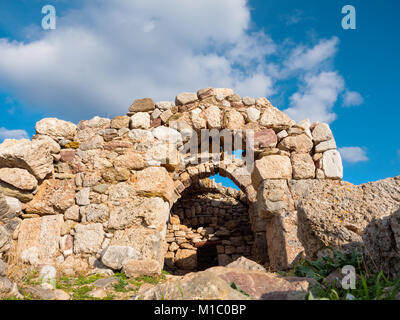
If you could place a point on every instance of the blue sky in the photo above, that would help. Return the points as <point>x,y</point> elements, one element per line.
<point>104,54</point>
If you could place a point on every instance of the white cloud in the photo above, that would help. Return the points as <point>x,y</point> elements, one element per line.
<point>303,58</point>
<point>294,17</point>
<point>353,154</point>
<point>317,97</point>
<point>352,98</point>
<point>106,54</point>
<point>12,134</point>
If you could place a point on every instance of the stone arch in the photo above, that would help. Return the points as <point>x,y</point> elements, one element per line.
<point>101,191</point>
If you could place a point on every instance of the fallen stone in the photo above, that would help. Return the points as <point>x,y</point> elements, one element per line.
<point>114,257</point>
<point>134,268</point>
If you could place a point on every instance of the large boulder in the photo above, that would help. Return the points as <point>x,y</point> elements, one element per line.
<point>363,218</point>
<point>34,156</point>
<point>56,128</point>
<point>222,283</point>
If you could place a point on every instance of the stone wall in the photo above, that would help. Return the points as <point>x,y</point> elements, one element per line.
<point>98,194</point>
<point>209,226</point>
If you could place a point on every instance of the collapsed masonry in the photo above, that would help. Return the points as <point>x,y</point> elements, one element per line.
<point>99,194</point>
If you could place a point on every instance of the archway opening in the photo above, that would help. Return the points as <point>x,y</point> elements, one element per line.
<point>209,226</point>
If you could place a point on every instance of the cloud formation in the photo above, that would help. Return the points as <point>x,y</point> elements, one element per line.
<point>352,98</point>
<point>106,54</point>
<point>12,134</point>
<point>317,97</point>
<point>353,154</point>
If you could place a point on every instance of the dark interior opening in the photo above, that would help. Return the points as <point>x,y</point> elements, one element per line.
<point>208,227</point>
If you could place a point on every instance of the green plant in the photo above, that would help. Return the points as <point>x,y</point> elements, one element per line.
<point>368,286</point>
<point>236,287</point>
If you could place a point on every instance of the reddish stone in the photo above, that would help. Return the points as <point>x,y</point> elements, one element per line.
<point>67,155</point>
<point>237,104</point>
<point>117,144</point>
<point>265,138</point>
<point>155,123</point>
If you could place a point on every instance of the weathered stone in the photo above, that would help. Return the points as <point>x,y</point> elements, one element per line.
<point>142,105</point>
<point>115,256</point>
<point>54,196</point>
<point>39,238</point>
<point>88,238</point>
<point>67,155</point>
<point>186,98</point>
<point>120,122</point>
<point>166,134</point>
<point>325,145</point>
<point>33,156</point>
<point>18,178</point>
<point>130,160</point>
<point>112,175</point>
<point>140,120</point>
<point>134,268</point>
<point>303,166</point>
<point>186,259</point>
<point>198,119</point>
<point>146,241</point>
<point>274,118</point>
<point>203,285</point>
<point>56,128</point>
<point>150,212</point>
<point>332,164</point>
<point>166,115</point>
<point>3,268</point>
<point>165,105</point>
<point>265,139</point>
<point>213,116</point>
<point>299,144</point>
<point>95,213</point>
<point>271,167</point>
<point>253,114</point>
<point>233,120</point>
<point>322,132</point>
<point>82,197</point>
<point>274,198</point>
<point>248,101</point>
<point>154,182</point>
<point>4,237</point>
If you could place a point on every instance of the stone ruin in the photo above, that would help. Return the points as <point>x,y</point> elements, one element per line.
<point>108,194</point>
